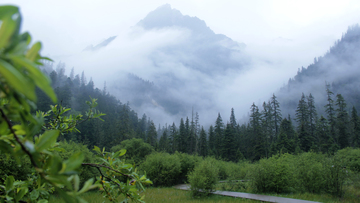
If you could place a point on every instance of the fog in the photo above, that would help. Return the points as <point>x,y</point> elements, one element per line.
<point>279,38</point>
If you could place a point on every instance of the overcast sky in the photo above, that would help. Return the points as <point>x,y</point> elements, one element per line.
<point>288,33</point>
<point>67,26</point>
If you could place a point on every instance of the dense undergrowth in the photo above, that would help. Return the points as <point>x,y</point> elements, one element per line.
<point>336,175</point>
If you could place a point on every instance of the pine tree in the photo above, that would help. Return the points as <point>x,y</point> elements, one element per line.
<point>212,141</point>
<point>203,149</point>
<point>302,117</point>
<point>355,128</point>
<point>152,135</point>
<point>219,135</point>
<point>342,122</point>
<point>312,115</point>
<point>277,117</point>
<point>326,142</point>
<point>228,145</point>
<point>258,139</point>
<point>182,137</point>
<point>173,139</point>
<point>330,112</point>
<point>267,124</point>
<point>164,142</point>
<point>232,118</point>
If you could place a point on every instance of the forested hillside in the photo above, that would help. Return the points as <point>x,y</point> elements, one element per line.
<point>121,122</point>
<point>339,68</point>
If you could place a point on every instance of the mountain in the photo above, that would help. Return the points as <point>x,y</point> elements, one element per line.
<point>183,69</point>
<point>339,67</point>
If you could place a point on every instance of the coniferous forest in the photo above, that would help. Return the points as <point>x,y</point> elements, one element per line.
<point>266,133</point>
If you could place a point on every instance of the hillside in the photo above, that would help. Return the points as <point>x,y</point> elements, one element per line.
<point>338,67</point>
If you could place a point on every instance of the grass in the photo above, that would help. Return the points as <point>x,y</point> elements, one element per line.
<point>158,195</point>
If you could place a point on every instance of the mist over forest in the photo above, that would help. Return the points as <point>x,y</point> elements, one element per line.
<point>168,65</point>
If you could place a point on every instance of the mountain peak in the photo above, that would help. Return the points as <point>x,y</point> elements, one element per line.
<point>165,16</point>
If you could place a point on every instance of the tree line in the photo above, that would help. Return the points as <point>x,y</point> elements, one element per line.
<point>266,133</point>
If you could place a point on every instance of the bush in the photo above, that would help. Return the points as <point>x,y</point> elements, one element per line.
<point>273,175</point>
<point>336,175</point>
<point>187,163</point>
<point>162,168</point>
<point>204,178</point>
<point>350,158</point>
<point>136,150</point>
<point>71,148</point>
<point>10,167</point>
<point>310,172</point>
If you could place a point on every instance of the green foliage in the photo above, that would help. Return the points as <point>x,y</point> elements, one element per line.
<point>204,178</point>
<point>136,150</point>
<point>310,172</point>
<point>350,158</point>
<point>162,168</point>
<point>70,148</point>
<point>273,174</point>
<point>20,168</point>
<point>188,163</point>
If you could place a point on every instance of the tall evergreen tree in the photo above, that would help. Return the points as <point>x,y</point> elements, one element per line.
<point>203,149</point>
<point>182,137</point>
<point>228,145</point>
<point>312,116</point>
<point>164,142</point>
<point>219,135</point>
<point>258,138</point>
<point>302,117</point>
<point>152,135</point>
<point>173,138</point>
<point>232,118</point>
<point>212,141</point>
<point>330,110</point>
<point>342,122</point>
<point>326,142</point>
<point>277,117</point>
<point>355,128</point>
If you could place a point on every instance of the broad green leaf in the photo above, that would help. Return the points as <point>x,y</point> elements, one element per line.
<point>46,140</point>
<point>21,193</point>
<point>42,201</point>
<point>122,152</point>
<point>8,11</point>
<point>9,183</point>
<point>97,149</point>
<point>39,78</point>
<point>88,186</point>
<point>17,80</point>
<point>76,183</point>
<point>33,51</point>
<point>71,165</point>
<point>34,195</point>
<point>7,29</point>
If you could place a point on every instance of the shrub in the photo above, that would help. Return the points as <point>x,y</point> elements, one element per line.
<point>187,163</point>
<point>350,158</point>
<point>136,150</point>
<point>163,168</point>
<point>204,178</point>
<point>310,172</point>
<point>336,175</point>
<point>71,148</point>
<point>273,175</point>
<point>10,167</point>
